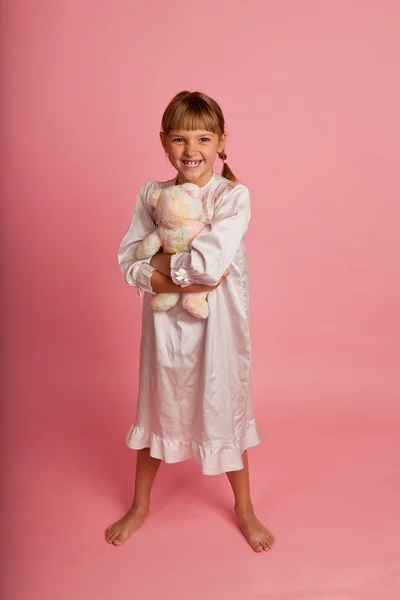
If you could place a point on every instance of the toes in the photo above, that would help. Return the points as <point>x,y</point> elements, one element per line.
<point>264,544</point>
<point>118,541</point>
<point>111,536</point>
<point>269,542</point>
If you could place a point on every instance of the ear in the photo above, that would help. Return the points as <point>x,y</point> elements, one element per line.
<point>155,198</point>
<point>190,188</point>
<point>163,139</point>
<point>221,144</point>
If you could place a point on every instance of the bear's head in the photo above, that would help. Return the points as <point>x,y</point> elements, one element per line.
<point>177,204</point>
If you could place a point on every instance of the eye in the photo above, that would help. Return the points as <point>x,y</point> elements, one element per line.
<point>204,139</point>
<point>178,140</point>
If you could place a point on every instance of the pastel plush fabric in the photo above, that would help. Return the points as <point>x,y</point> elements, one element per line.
<point>178,213</point>
<point>195,389</point>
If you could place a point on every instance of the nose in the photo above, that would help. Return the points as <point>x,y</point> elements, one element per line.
<point>190,149</point>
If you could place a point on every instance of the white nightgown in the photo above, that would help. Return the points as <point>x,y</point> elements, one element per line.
<point>194,387</point>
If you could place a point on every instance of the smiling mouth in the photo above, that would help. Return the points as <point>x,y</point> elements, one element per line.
<point>191,163</point>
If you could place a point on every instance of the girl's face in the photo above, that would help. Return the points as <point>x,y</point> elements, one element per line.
<point>193,153</point>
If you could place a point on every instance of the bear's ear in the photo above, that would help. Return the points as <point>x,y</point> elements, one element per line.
<point>155,198</point>
<point>191,188</point>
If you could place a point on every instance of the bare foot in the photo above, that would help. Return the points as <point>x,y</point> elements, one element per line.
<point>120,531</point>
<point>256,534</point>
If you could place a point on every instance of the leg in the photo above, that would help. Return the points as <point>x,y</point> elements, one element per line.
<point>256,534</point>
<point>163,302</point>
<point>196,304</point>
<point>146,470</point>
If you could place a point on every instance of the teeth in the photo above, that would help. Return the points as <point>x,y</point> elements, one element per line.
<point>191,163</point>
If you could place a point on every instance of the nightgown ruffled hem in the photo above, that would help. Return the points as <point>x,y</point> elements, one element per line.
<point>213,460</point>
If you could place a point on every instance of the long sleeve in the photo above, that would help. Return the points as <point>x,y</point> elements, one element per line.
<point>137,272</point>
<point>213,250</point>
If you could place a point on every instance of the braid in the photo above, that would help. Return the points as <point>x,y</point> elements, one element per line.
<point>226,171</point>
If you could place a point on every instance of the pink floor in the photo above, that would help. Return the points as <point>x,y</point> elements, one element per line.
<point>327,486</point>
<point>311,97</point>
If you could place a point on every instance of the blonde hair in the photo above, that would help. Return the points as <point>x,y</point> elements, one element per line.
<point>194,110</point>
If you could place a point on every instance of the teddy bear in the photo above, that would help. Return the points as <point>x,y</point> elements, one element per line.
<point>178,214</point>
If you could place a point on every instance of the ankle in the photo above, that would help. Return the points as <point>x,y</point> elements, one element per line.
<point>244,508</point>
<point>141,504</point>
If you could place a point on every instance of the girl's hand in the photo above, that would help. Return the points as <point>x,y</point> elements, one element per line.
<point>162,263</point>
<point>162,284</point>
<point>227,272</point>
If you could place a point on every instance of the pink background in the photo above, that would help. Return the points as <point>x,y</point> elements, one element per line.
<point>311,96</point>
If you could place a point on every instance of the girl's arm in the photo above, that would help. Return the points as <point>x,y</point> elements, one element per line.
<point>138,272</point>
<point>162,284</point>
<point>141,273</point>
<point>212,250</point>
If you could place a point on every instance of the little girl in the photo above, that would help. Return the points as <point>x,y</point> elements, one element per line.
<point>194,391</point>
